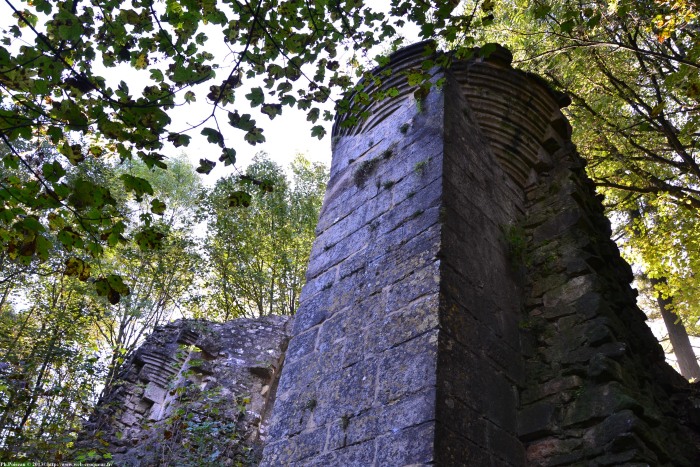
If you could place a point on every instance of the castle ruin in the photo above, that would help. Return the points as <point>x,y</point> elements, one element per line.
<point>464,303</point>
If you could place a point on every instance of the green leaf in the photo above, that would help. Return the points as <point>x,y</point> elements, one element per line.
<point>382,60</point>
<point>288,100</point>
<point>117,283</point>
<point>487,49</point>
<point>567,26</point>
<point>26,15</point>
<point>140,186</point>
<point>313,115</point>
<point>43,248</point>
<point>213,136</point>
<point>541,10</point>
<point>255,136</point>
<point>594,20</point>
<point>111,287</point>
<point>239,199</point>
<point>318,131</point>
<point>86,194</point>
<point>157,75</point>
<point>268,186</point>
<point>31,224</point>
<point>415,79</point>
<point>76,267</point>
<point>284,87</point>
<point>272,110</point>
<point>228,156</point>
<point>53,171</point>
<point>158,207</point>
<point>55,133</point>
<point>69,239</point>
<point>72,152</point>
<point>149,239</point>
<point>242,122</point>
<point>205,166</point>
<point>256,97</point>
<point>179,139</point>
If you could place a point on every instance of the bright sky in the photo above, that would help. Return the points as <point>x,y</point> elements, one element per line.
<point>286,136</point>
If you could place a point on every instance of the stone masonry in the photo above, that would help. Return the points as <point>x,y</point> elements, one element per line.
<point>195,393</point>
<point>465,304</point>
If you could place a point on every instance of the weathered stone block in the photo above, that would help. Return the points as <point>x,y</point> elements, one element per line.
<point>403,447</point>
<point>599,401</point>
<point>408,368</point>
<point>357,454</point>
<point>301,345</point>
<point>154,393</point>
<point>536,420</point>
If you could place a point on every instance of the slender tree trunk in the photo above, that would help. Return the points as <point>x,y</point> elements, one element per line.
<point>687,361</point>
<point>682,348</point>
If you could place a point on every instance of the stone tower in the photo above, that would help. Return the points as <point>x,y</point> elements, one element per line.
<point>465,304</point>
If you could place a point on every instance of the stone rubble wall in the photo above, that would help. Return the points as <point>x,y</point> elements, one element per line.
<point>598,389</point>
<point>194,392</point>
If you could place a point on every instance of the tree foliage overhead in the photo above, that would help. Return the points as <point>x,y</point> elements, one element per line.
<point>63,334</point>
<point>61,64</point>
<point>636,91</point>
<point>633,72</point>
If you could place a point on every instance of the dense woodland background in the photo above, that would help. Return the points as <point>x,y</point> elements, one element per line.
<point>105,232</point>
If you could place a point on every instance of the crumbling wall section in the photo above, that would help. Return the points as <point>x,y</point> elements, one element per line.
<point>195,392</point>
<point>599,391</point>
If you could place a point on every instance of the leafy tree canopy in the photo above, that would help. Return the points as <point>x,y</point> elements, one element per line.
<point>258,244</point>
<point>61,105</point>
<point>633,72</point>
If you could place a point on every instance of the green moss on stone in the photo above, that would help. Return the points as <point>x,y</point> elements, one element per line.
<point>364,171</point>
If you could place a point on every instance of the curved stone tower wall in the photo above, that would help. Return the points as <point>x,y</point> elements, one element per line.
<point>465,304</point>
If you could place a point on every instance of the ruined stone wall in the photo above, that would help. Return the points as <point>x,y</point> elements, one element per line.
<point>359,382</point>
<point>465,304</point>
<point>406,341</point>
<point>597,390</point>
<point>195,393</point>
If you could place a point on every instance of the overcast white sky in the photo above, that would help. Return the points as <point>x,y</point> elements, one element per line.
<point>286,136</point>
